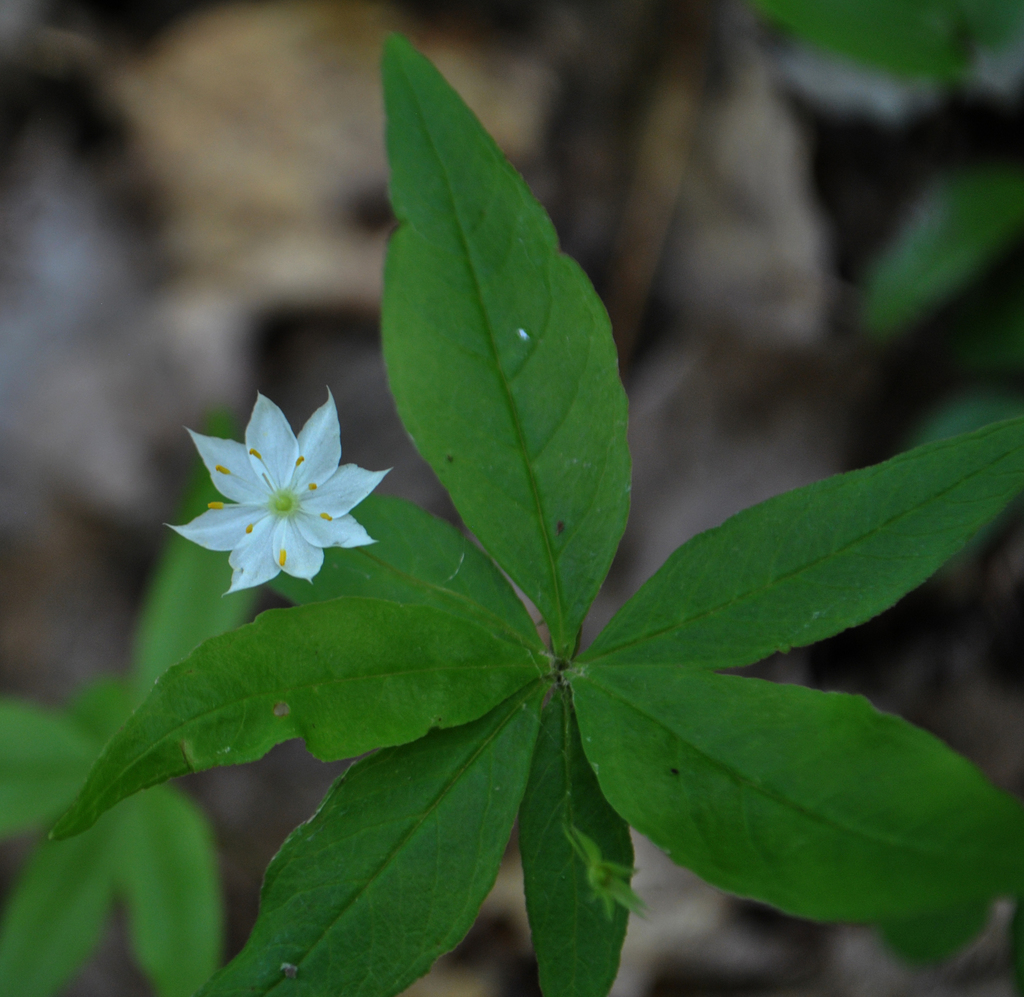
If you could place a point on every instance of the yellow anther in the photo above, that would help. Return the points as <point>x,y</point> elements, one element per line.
<point>312,487</point>
<point>281,559</point>
<point>255,453</point>
<point>214,505</point>
<point>248,529</point>
<point>299,461</point>
<point>222,469</point>
<point>323,515</point>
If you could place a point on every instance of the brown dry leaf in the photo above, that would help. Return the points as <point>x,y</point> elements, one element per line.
<point>750,245</point>
<point>261,126</point>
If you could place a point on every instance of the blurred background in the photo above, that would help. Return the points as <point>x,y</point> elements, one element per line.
<point>807,223</point>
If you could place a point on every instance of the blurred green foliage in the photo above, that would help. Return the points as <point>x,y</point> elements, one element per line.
<point>924,39</point>
<point>954,245</point>
<point>953,235</point>
<point>156,853</point>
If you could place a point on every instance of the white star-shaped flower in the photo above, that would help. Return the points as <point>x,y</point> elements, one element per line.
<point>292,499</point>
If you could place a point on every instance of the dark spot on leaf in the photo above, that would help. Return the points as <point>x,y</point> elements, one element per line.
<point>674,771</point>
<point>289,970</point>
<point>281,709</point>
<point>449,458</point>
<point>559,526</point>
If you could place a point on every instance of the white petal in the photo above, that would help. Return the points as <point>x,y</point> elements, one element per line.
<point>253,558</point>
<point>319,445</point>
<point>221,529</point>
<point>239,483</point>
<point>269,434</point>
<point>342,531</point>
<point>344,490</point>
<point>301,558</point>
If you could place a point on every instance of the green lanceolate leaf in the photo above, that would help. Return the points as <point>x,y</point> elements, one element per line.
<point>56,913</point>
<point>958,228</point>
<point>812,562</point>
<point>962,413</point>
<point>994,23</point>
<point>576,940</point>
<point>167,868</point>
<point>931,937</point>
<point>346,676</point>
<point>392,869</point>
<point>499,352</point>
<point>814,802</point>
<point>418,559</point>
<point>185,602</point>
<point>43,759</point>
<point>915,38</point>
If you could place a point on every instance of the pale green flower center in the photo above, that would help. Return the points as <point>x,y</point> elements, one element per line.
<point>284,502</point>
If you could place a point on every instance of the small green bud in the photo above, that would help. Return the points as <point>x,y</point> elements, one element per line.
<point>608,880</point>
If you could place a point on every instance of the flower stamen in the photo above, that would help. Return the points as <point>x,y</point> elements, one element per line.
<point>323,515</point>
<point>299,461</point>
<point>256,453</point>
<point>221,468</point>
<point>248,529</point>
<point>214,505</point>
<point>312,487</point>
<point>281,559</point>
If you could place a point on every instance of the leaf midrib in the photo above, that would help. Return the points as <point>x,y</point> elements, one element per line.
<point>471,603</point>
<point>171,734</point>
<point>522,697</point>
<point>570,810</point>
<point>771,794</point>
<point>784,578</point>
<point>509,401</point>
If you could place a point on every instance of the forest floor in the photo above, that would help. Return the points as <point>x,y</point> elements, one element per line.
<point>193,207</point>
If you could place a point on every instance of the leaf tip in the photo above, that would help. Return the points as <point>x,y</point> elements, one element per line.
<point>68,825</point>
<point>396,48</point>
